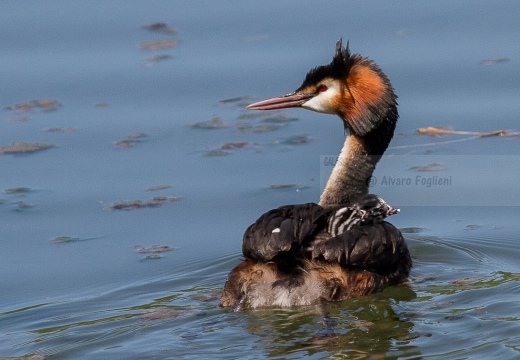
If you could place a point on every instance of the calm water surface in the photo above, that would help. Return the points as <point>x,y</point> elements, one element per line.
<point>74,284</point>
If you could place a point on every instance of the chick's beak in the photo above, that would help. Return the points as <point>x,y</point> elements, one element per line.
<point>281,102</point>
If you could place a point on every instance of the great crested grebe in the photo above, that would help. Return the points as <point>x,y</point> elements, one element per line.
<point>341,247</point>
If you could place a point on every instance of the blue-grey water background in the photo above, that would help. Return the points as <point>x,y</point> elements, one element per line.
<point>73,283</point>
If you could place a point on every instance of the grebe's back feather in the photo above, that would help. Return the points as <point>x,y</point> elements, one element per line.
<point>296,227</point>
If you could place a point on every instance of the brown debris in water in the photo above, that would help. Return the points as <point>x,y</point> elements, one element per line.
<point>44,105</point>
<point>65,239</point>
<point>283,186</point>
<point>153,249</point>
<point>494,133</point>
<point>157,58</point>
<point>17,190</point>
<point>445,131</point>
<point>223,149</point>
<point>60,130</point>
<point>152,257</point>
<point>429,167</point>
<point>234,145</point>
<point>498,60</point>
<point>159,44</point>
<point>158,187</point>
<point>435,131</point>
<point>216,153</point>
<point>235,100</point>
<point>298,140</point>
<point>139,204</point>
<point>164,198</point>
<point>126,143</point>
<point>159,27</point>
<point>280,119</point>
<point>24,148</point>
<point>133,204</point>
<point>258,128</point>
<point>216,122</point>
<point>238,102</point>
<point>130,141</point>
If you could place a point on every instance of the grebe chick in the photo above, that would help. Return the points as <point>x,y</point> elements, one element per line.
<point>340,247</point>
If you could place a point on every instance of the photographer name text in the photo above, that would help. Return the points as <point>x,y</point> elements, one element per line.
<point>418,180</point>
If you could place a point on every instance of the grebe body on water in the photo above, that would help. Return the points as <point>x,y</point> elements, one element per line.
<point>341,247</point>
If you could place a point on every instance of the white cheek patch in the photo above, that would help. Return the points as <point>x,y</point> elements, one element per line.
<point>323,102</point>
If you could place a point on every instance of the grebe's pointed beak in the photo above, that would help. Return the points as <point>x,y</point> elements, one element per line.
<point>282,102</point>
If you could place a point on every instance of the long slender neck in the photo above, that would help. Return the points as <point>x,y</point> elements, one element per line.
<point>350,178</point>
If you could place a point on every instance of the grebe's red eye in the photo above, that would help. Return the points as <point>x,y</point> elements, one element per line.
<point>322,88</point>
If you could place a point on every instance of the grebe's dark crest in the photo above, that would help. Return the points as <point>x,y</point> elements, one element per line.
<point>361,93</point>
<point>340,247</point>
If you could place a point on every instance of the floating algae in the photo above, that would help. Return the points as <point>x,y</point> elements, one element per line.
<point>298,140</point>
<point>24,148</point>
<point>234,145</point>
<point>156,59</point>
<point>159,27</point>
<point>153,249</point>
<point>130,141</point>
<point>429,167</point>
<point>159,44</point>
<point>44,105</point>
<point>17,190</point>
<point>159,187</point>
<point>215,123</point>
<point>139,204</point>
